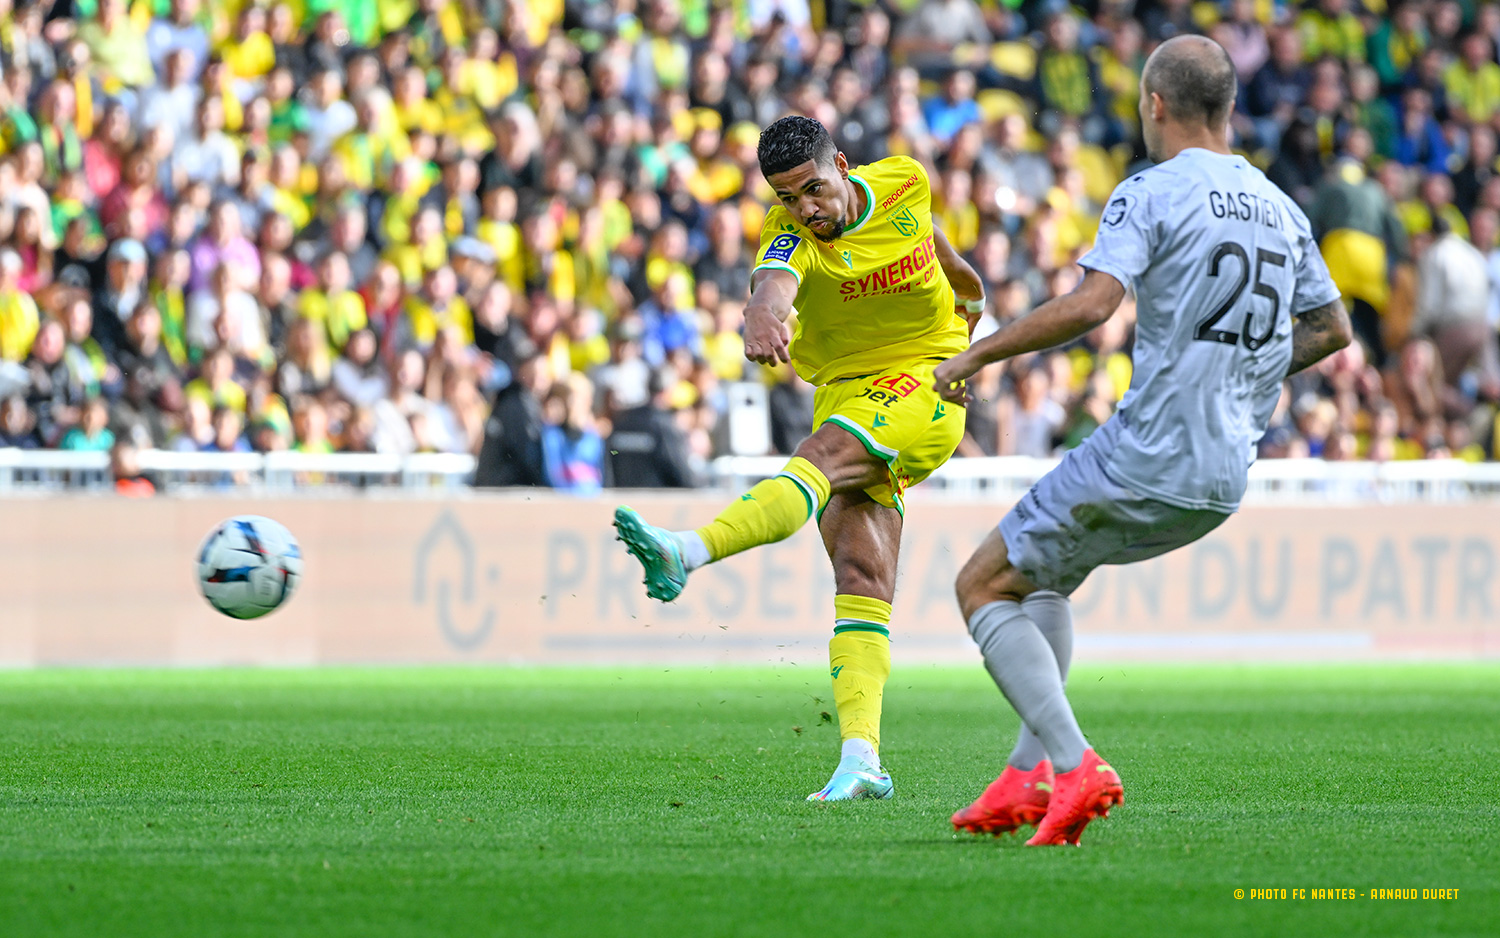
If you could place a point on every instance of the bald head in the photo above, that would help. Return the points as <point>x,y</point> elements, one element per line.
<point>1195,79</point>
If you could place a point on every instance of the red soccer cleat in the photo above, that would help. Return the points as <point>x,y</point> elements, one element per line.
<point>1013,799</point>
<point>1078,797</point>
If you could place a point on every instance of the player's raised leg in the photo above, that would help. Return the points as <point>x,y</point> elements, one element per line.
<point>1019,796</point>
<point>863,539</point>
<point>831,460</point>
<point>1023,664</point>
<point>771,511</point>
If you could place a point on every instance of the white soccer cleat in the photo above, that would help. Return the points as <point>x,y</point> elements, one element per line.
<point>853,780</point>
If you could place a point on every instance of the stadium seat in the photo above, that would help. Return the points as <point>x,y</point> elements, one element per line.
<point>1016,59</point>
<point>1100,173</point>
<point>995,103</point>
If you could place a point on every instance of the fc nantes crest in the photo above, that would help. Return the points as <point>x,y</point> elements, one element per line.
<point>905,221</point>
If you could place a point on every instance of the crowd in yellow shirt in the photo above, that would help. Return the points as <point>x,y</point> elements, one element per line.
<point>427,208</point>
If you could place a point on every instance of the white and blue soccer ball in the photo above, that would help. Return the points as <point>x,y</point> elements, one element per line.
<point>249,566</point>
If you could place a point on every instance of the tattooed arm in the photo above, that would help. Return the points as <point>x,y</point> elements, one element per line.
<point>1318,333</point>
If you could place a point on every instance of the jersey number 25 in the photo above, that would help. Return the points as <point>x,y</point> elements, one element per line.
<point>1206,331</point>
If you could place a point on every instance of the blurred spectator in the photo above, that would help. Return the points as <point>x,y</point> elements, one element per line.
<point>1360,234</point>
<point>53,396</point>
<point>310,426</point>
<point>1484,234</point>
<point>19,319</point>
<point>511,453</point>
<point>224,301</point>
<point>174,100</point>
<point>571,446</point>
<point>89,367</point>
<point>118,46</point>
<point>178,32</point>
<point>139,415</point>
<point>646,447</point>
<point>1453,308</point>
<point>125,469</point>
<point>1299,167</point>
<point>431,229</point>
<point>121,292</point>
<point>790,401</point>
<point>197,434</point>
<point>228,431</point>
<point>17,424</point>
<point>1065,79</point>
<point>92,433</point>
<point>215,384</point>
<point>1473,81</point>
<point>1244,38</point>
<point>1397,43</point>
<point>1169,18</point>
<point>1419,138</point>
<point>927,37</point>
<point>954,108</point>
<point>1278,89</point>
<point>1030,423</point>
<point>333,305</point>
<point>1331,29</point>
<point>358,375</point>
<point>223,243</point>
<point>671,321</point>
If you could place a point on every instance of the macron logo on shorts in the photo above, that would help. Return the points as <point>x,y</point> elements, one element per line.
<point>781,249</point>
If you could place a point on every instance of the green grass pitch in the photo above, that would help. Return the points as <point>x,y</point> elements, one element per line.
<point>669,802</point>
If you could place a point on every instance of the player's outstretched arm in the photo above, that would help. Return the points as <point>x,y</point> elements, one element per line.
<point>1318,333</point>
<point>1056,321</point>
<point>967,286</point>
<point>771,296</point>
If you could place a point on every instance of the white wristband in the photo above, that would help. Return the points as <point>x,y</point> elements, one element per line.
<point>974,306</point>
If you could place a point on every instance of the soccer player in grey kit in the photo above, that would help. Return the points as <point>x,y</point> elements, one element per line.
<point>1232,296</point>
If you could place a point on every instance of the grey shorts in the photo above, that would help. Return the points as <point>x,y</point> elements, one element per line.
<point>1077,518</point>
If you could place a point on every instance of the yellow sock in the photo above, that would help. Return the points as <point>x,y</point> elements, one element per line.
<point>771,511</point>
<point>860,657</point>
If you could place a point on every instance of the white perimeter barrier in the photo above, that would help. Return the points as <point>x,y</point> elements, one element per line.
<point>1274,481</point>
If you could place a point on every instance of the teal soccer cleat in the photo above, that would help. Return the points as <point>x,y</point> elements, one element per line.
<point>658,552</point>
<point>855,779</point>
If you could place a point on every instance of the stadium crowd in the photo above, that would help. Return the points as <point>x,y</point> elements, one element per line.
<point>525,229</point>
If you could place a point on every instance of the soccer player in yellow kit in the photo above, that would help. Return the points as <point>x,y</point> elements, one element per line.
<point>876,289</point>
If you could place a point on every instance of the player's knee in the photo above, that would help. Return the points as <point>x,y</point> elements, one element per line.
<point>982,582</point>
<point>970,582</point>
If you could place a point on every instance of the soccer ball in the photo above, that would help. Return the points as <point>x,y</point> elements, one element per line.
<point>248,566</point>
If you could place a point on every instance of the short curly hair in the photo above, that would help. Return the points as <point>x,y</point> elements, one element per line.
<point>792,141</point>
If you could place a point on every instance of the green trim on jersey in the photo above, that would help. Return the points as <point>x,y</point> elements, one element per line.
<point>884,453</point>
<point>777,265</point>
<point>869,206</point>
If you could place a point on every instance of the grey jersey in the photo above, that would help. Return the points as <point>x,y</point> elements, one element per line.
<point>1220,261</point>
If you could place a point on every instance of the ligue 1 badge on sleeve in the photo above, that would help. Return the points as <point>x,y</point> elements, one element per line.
<point>781,249</point>
<point>1118,208</point>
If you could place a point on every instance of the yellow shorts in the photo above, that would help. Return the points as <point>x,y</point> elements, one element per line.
<point>899,418</point>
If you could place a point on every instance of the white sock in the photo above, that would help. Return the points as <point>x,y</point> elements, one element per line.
<point>694,551</point>
<point>861,749</point>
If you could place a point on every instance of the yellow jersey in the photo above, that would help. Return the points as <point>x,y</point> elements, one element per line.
<point>876,297</point>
